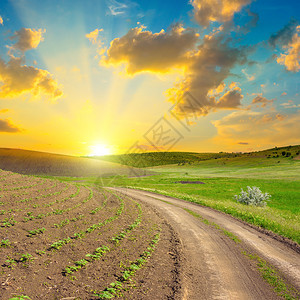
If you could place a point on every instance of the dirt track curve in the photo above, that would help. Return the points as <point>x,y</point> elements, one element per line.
<point>214,266</point>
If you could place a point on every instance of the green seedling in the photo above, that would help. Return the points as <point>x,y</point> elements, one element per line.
<point>35,232</point>
<point>5,243</point>
<point>40,252</point>
<point>10,262</point>
<point>26,257</point>
<point>21,297</point>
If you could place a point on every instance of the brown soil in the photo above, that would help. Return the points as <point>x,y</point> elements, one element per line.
<point>41,163</point>
<point>215,267</point>
<point>192,259</point>
<point>42,277</point>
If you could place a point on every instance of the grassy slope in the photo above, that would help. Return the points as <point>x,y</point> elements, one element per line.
<point>40,163</point>
<point>224,178</point>
<point>151,159</point>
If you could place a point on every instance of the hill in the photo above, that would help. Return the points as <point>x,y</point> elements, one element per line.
<point>152,159</point>
<point>41,163</point>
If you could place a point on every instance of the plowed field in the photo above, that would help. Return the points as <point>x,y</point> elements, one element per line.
<point>61,240</point>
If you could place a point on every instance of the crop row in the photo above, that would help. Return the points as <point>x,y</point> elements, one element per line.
<point>116,288</point>
<point>100,251</point>
<point>10,221</point>
<point>18,195</point>
<point>81,234</point>
<point>59,211</point>
<point>56,245</point>
<point>12,210</point>
<point>7,187</point>
<point>43,196</point>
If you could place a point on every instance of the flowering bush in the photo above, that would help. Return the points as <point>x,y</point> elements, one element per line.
<point>254,196</point>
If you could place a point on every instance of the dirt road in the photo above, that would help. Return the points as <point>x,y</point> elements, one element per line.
<point>215,266</point>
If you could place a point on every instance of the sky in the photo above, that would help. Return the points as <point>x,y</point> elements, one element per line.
<point>104,76</point>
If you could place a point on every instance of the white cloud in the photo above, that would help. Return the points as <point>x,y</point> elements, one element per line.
<point>116,8</point>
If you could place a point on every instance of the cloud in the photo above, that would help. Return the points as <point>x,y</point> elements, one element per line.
<point>259,100</point>
<point>260,128</point>
<point>205,67</point>
<point>93,36</point>
<point>291,58</point>
<point>18,78</point>
<point>249,77</point>
<point>284,35</point>
<point>208,69</point>
<point>290,104</point>
<point>1,20</point>
<point>230,100</point>
<point>144,51</point>
<point>27,38</point>
<point>243,143</point>
<point>4,110</point>
<point>284,94</point>
<point>7,126</point>
<point>116,8</point>
<point>206,11</point>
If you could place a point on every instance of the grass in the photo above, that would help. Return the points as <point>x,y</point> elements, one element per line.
<point>223,179</point>
<point>274,171</point>
<point>273,278</point>
<point>150,159</point>
<point>268,273</point>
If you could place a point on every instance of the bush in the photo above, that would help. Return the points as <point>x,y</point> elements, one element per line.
<point>254,196</point>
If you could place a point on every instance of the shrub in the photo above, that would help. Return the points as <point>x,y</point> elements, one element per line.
<point>253,196</point>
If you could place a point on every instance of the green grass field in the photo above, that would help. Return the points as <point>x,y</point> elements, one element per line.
<point>223,178</point>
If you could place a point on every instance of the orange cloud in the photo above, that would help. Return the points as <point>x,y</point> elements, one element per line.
<point>8,127</point>
<point>93,36</point>
<point>259,100</point>
<point>291,58</point>
<point>205,74</point>
<point>230,100</point>
<point>205,67</point>
<point>1,20</point>
<point>27,38</point>
<point>18,78</point>
<point>207,11</point>
<point>155,52</point>
<point>260,128</point>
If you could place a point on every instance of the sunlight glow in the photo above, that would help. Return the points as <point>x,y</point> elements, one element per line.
<point>100,150</point>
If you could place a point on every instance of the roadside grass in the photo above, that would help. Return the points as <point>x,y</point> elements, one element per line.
<point>268,273</point>
<point>280,216</point>
<point>223,178</point>
<point>273,278</point>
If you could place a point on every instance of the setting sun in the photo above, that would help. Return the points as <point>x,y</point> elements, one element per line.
<point>99,150</point>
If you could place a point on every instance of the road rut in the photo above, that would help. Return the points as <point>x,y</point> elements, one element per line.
<point>214,266</point>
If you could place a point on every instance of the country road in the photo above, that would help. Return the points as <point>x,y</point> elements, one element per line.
<point>215,266</point>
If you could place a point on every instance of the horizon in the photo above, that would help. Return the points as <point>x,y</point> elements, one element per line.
<point>86,156</point>
<point>117,77</point>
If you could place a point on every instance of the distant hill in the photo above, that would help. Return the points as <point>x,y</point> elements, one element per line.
<point>41,163</point>
<point>152,159</point>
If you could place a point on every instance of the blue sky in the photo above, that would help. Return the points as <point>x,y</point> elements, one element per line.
<point>75,92</point>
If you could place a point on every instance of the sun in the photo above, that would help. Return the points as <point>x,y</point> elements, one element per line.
<point>100,150</point>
